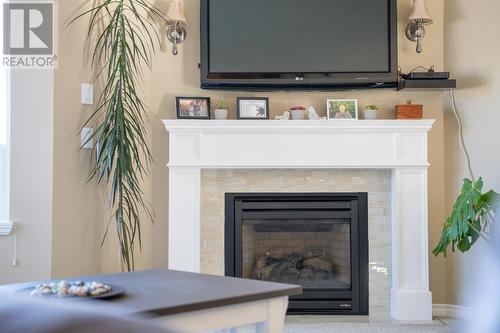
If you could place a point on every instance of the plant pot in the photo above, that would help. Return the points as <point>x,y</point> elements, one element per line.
<point>298,114</point>
<point>371,114</point>
<point>220,114</point>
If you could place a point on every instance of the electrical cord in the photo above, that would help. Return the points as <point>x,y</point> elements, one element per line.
<point>431,69</point>
<point>461,134</point>
<point>405,75</point>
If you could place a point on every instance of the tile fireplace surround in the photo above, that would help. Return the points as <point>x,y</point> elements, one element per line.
<point>375,156</point>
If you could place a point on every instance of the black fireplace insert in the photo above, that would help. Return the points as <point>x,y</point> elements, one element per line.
<point>316,240</point>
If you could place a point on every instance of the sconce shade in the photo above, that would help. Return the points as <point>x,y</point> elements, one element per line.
<point>176,11</point>
<point>420,12</point>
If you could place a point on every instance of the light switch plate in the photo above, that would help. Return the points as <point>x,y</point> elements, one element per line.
<point>87,94</point>
<point>84,136</point>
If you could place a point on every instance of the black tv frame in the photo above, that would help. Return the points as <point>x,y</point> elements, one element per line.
<point>298,81</point>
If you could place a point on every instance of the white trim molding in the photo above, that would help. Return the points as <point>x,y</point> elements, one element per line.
<point>451,311</point>
<point>6,228</point>
<point>397,145</point>
<point>4,182</point>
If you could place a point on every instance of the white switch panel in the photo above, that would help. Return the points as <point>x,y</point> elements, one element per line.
<point>84,136</point>
<point>87,94</point>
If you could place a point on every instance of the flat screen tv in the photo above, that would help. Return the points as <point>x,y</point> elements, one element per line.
<point>298,44</point>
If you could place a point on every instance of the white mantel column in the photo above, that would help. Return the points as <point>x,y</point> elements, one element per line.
<point>184,220</point>
<point>411,298</point>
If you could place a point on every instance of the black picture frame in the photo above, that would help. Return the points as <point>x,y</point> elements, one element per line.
<point>181,116</point>
<point>256,99</point>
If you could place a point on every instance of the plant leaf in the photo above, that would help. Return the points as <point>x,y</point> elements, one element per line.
<point>471,216</point>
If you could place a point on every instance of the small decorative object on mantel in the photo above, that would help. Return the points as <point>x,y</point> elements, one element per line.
<point>253,108</point>
<point>312,114</point>
<point>193,107</point>
<point>285,116</point>
<point>298,112</point>
<point>371,112</point>
<point>342,109</point>
<point>409,111</point>
<point>220,111</point>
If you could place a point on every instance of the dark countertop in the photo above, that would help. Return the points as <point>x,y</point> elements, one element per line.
<point>164,292</point>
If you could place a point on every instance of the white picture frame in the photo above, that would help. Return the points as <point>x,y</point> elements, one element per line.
<point>342,109</point>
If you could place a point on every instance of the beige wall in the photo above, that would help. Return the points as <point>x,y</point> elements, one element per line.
<point>472,55</point>
<point>79,216</point>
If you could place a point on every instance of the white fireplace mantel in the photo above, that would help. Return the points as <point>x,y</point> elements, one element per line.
<point>398,145</point>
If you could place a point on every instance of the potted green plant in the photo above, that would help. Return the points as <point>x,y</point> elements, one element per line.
<point>298,112</point>
<point>371,112</point>
<point>220,111</point>
<point>470,219</point>
<point>474,211</point>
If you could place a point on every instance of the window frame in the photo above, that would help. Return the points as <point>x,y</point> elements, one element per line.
<point>5,222</point>
<point>6,225</point>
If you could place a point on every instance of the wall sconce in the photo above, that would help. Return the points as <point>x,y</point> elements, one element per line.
<point>176,24</point>
<point>419,17</point>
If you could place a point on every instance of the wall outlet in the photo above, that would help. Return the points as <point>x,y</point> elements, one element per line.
<point>87,94</point>
<point>84,138</point>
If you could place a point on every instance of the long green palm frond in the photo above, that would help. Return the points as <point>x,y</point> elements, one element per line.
<point>124,39</point>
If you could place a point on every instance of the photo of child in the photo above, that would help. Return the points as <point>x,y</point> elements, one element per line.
<point>342,109</point>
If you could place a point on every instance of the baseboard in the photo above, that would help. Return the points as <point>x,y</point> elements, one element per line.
<point>450,311</point>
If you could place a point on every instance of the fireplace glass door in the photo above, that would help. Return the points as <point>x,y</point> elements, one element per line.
<point>315,254</point>
<point>312,240</point>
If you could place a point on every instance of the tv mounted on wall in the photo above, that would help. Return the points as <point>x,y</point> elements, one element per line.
<point>298,44</point>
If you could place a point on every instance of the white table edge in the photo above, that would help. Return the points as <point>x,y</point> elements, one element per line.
<point>268,315</point>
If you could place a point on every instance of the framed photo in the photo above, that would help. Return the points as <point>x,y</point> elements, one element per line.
<point>253,107</point>
<point>193,107</point>
<point>342,109</point>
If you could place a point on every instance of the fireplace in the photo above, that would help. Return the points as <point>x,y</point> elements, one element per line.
<point>316,240</point>
<point>290,158</point>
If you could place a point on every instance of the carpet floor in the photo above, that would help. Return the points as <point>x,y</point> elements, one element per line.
<point>324,324</point>
<point>335,324</point>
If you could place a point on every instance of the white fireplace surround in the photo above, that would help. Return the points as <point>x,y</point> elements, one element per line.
<point>398,145</point>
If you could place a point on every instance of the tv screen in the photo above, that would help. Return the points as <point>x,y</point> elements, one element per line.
<point>297,43</point>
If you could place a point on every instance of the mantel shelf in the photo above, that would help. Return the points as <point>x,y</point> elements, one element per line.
<point>298,143</point>
<point>174,125</point>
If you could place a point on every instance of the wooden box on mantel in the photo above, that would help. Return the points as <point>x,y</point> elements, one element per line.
<point>409,111</point>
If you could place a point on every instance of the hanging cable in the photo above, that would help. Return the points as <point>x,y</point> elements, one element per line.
<point>461,134</point>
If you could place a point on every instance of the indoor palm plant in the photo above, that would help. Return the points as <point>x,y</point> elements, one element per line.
<point>122,36</point>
